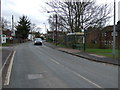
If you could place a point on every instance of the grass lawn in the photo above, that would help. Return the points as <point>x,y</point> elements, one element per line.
<point>6,44</point>
<point>104,52</point>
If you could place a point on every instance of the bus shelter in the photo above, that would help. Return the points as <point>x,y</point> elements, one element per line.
<point>75,40</point>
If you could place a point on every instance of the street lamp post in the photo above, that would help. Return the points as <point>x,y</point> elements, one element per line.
<point>84,38</point>
<point>0,25</point>
<point>13,32</point>
<point>56,29</point>
<point>114,33</point>
<point>56,26</point>
<point>0,37</point>
<point>53,32</point>
<point>46,32</point>
<point>53,36</point>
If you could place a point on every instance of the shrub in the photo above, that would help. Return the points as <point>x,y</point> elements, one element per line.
<point>92,45</point>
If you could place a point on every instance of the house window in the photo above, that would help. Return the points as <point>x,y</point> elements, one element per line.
<point>110,42</point>
<point>104,42</point>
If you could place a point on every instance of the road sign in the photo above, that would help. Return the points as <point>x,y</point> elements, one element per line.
<point>116,34</point>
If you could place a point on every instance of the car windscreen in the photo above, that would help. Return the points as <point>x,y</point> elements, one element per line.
<point>38,39</point>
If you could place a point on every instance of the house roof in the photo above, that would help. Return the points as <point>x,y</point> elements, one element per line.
<point>76,33</point>
<point>109,28</point>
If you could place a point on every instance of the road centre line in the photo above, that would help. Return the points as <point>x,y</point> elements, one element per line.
<point>7,78</point>
<point>50,58</point>
<point>77,74</point>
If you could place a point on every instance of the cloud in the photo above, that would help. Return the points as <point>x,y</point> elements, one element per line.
<point>31,8</point>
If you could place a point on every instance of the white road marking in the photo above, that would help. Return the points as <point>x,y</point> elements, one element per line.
<point>87,80</point>
<point>7,78</point>
<point>77,74</point>
<point>54,61</point>
<point>35,76</point>
<point>5,63</point>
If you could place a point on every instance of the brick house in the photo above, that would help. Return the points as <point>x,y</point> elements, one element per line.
<point>106,36</point>
<point>92,35</point>
<point>103,37</point>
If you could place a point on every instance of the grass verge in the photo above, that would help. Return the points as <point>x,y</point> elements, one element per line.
<point>6,44</point>
<point>104,52</point>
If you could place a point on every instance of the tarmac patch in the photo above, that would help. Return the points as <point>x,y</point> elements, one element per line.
<point>35,76</point>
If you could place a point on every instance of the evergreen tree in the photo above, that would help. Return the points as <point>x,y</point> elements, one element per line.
<point>23,27</point>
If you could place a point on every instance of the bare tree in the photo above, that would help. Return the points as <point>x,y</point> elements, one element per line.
<point>75,16</point>
<point>38,29</point>
<point>33,27</point>
<point>52,22</point>
<point>5,24</point>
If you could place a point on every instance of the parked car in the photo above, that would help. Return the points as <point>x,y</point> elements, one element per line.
<point>37,41</point>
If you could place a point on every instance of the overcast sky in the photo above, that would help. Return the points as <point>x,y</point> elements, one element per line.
<point>33,9</point>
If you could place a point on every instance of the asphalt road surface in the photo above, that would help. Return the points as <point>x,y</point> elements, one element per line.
<point>44,67</point>
<point>5,53</point>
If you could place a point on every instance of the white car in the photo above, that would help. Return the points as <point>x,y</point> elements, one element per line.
<point>37,41</point>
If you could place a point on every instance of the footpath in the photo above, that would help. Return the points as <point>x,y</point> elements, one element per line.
<point>88,56</point>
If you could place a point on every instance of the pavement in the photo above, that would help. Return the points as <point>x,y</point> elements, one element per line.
<point>88,56</point>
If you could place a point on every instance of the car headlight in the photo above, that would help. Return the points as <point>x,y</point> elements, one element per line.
<point>35,41</point>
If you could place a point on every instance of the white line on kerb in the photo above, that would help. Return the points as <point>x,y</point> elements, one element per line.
<point>54,61</point>
<point>5,63</point>
<point>7,78</point>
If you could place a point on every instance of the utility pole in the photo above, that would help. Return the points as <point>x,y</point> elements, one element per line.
<point>84,38</point>
<point>13,32</point>
<point>0,46</point>
<point>114,32</point>
<point>0,25</point>
<point>46,32</point>
<point>53,30</point>
<point>56,30</point>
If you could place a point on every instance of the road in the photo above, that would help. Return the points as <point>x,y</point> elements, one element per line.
<point>44,67</point>
<point>5,53</point>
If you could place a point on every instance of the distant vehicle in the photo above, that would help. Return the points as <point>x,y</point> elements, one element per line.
<point>37,41</point>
